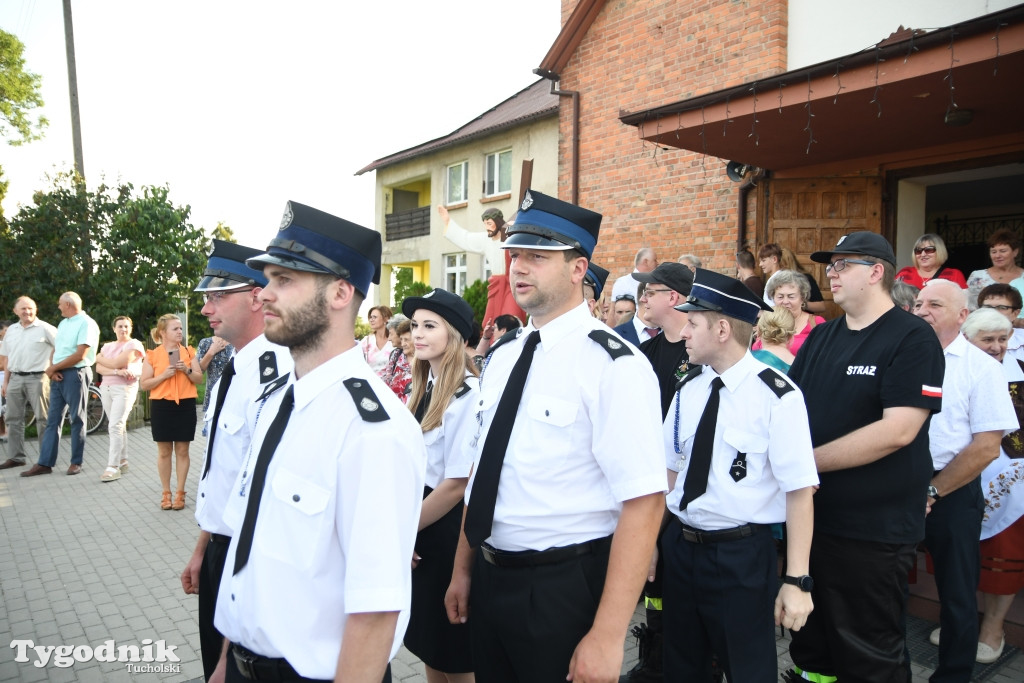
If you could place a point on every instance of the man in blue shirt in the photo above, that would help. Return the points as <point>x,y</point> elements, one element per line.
<point>70,373</point>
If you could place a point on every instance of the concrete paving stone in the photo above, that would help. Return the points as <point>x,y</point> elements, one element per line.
<point>131,610</point>
<point>105,609</point>
<point>10,670</point>
<point>137,623</point>
<point>29,674</point>
<point>96,634</point>
<point>19,614</point>
<point>61,675</point>
<point>22,629</point>
<point>68,617</point>
<point>70,633</point>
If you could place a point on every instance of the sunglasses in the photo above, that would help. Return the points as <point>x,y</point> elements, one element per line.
<point>626,297</point>
<point>924,250</point>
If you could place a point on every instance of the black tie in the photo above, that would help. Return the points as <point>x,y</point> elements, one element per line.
<point>480,513</point>
<point>222,392</point>
<point>703,446</point>
<point>259,477</point>
<point>424,405</point>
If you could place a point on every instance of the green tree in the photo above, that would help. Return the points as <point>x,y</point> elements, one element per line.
<point>223,232</point>
<point>405,287</point>
<point>19,94</point>
<point>145,258</point>
<point>476,295</point>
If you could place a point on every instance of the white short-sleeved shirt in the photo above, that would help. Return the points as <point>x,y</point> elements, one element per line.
<point>772,431</point>
<point>235,426</point>
<point>29,349</point>
<point>974,400</point>
<point>336,526</point>
<point>450,448</point>
<point>586,436</point>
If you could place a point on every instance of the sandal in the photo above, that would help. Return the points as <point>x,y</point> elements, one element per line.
<point>111,474</point>
<point>179,501</point>
<point>124,466</point>
<point>165,502</point>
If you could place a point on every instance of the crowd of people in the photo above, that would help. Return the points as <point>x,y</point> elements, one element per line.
<point>470,489</point>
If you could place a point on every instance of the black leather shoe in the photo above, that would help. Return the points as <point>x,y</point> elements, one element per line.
<point>36,470</point>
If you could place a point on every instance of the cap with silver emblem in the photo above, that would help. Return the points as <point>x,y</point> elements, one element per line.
<point>546,224</point>
<point>722,294</point>
<point>317,242</point>
<point>226,268</point>
<point>596,277</point>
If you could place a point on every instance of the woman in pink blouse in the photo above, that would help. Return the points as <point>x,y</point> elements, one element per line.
<point>375,346</point>
<point>120,363</point>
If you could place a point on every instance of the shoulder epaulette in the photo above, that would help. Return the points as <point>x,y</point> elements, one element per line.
<point>274,386</point>
<point>690,374</point>
<point>504,339</point>
<point>462,391</point>
<point>366,401</point>
<point>776,382</point>
<point>611,343</point>
<point>268,367</point>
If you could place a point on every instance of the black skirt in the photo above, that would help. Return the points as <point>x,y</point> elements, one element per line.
<point>439,644</point>
<point>172,421</point>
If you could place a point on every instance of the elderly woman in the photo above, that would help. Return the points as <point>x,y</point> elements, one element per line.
<point>375,346</point>
<point>1002,527</point>
<point>120,363</point>
<point>170,375</point>
<point>774,331</point>
<point>1003,250</point>
<point>929,257</point>
<point>790,289</point>
<point>398,371</point>
<point>772,258</point>
<point>1007,301</point>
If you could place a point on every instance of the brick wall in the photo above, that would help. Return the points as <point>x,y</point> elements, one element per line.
<point>640,54</point>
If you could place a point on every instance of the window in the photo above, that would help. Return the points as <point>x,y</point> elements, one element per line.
<point>498,173</point>
<point>455,273</point>
<point>456,183</point>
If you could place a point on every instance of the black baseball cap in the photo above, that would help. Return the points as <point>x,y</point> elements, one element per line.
<point>675,276</point>
<point>862,243</point>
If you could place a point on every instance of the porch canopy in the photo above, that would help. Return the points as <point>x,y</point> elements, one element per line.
<point>958,85</point>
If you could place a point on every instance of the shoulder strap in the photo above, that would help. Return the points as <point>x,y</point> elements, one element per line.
<point>775,381</point>
<point>461,391</point>
<point>505,338</point>
<point>274,386</point>
<point>366,401</point>
<point>611,343</point>
<point>690,374</point>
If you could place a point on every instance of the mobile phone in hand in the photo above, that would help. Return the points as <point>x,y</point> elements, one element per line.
<point>172,357</point>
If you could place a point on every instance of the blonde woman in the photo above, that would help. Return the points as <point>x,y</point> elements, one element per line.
<point>774,332</point>
<point>443,400</point>
<point>170,374</point>
<point>120,363</point>
<point>790,290</point>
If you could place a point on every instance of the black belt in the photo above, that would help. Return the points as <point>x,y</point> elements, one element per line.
<point>256,667</point>
<point>27,374</point>
<point>534,558</point>
<point>699,536</point>
<point>220,538</point>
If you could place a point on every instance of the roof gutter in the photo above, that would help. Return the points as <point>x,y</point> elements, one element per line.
<point>575,156</point>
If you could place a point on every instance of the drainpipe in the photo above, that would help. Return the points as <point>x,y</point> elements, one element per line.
<point>741,207</point>
<point>575,95</point>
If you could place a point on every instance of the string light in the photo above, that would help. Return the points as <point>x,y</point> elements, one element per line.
<point>949,76</point>
<point>810,133</point>
<point>753,124</point>
<point>839,83</point>
<point>878,88</point>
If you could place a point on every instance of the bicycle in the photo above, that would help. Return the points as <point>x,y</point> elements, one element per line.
<point>95,416</point>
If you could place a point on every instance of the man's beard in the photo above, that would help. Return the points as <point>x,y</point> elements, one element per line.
<point>303,328</point>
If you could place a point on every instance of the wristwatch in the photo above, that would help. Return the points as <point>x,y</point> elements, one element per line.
<point>804,583</point>
<point>933,492</point>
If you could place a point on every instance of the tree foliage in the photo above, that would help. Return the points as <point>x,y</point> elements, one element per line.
<point>476,295</point>
<point>405,287</point>
<point>144,260</point>
<point>223,232</point>
<point>19,94</point>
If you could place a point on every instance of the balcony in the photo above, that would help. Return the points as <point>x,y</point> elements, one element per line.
<point>405,224</point>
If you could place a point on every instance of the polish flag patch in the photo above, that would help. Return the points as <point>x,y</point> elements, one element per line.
<point>935,392</point>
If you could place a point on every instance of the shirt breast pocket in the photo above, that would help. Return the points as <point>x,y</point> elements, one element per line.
<point>751,453</point>
<point>297,521</point>
<point>230,424</point>
<point>550,423</point>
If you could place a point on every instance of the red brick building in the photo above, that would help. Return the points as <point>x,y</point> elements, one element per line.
<point>668,92</point>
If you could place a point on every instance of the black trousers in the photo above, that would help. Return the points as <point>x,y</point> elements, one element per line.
<point>857,629</point>
<point>951,533</point>
<point>526,622</point>
<point>210,639</point>
<point>720,597</point>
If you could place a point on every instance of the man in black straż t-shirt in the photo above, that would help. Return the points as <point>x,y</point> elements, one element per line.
<point>871,380</point>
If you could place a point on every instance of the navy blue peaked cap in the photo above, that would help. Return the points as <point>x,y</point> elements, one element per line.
<point>226,268</point>
<point>596,277</point>
<point>317,242</point>
<point>723,294</point>
<point>546,223</point>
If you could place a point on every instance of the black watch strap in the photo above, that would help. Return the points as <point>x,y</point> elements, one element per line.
<point>804,583</point>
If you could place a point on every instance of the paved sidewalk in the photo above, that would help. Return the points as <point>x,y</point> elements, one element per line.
<point>83,562</point>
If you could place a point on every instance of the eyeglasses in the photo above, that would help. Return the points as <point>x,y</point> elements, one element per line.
<point>924,250</point>
<point>999,307</point>
<point>625,297</point>
<point>839,265</point>
<point>649,292</point>
<point>216,297</point>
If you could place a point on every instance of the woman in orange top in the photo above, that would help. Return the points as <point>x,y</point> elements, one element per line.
<point>170,375</point>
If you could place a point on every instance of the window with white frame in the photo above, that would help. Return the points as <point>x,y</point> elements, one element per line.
<point>455,273</point>
<point>498,173</point>
<point>456,185</point>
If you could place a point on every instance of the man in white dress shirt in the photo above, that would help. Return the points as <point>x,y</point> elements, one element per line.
<point>963,439</point>
<point>317,580</point>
